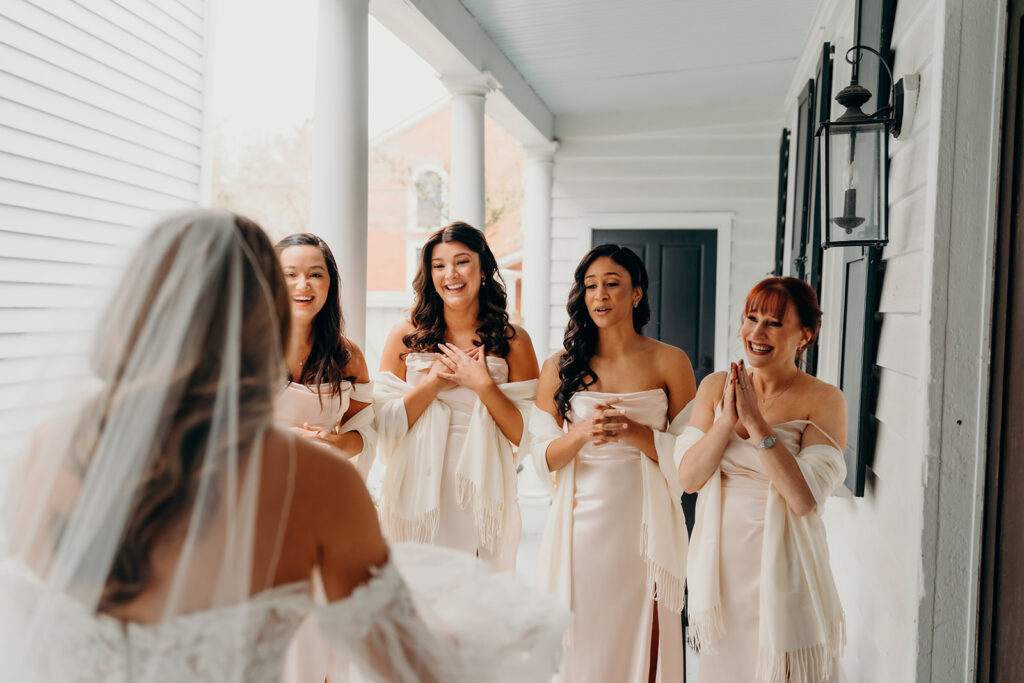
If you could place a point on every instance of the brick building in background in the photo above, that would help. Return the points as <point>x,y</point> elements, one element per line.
<point>408,199</point>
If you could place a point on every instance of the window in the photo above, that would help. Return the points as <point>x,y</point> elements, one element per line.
<point>428,200</point>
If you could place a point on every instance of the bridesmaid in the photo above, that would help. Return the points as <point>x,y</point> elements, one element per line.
<point>615,544</point>
<point>764,449</point>
<point>329,392</point>
<point>327,397</point>
<point>457,379</point>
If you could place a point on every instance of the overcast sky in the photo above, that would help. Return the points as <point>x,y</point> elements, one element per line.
<point>263,65</point>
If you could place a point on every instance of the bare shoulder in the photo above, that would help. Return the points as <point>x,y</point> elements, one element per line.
<point>318,470</point>
<point>520,341</point>
<point>394,347</point>
<point>522,359</point>
<point>670,357</point>
<point>826,408</point>
<point>400,329</point>
<point>548,384</point>
<point>550,367</point>
<point>825,396</point>
<point>712,387</point>
<point>356,366</point>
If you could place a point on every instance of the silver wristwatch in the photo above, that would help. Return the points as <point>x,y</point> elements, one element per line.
<point>766,443</point>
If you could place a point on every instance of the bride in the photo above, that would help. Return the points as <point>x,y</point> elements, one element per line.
<point>165,531</point>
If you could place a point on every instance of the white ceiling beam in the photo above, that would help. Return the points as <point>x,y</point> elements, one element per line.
<point>447,37</point>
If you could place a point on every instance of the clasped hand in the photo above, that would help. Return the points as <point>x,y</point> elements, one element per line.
<point>739,400</point>
<point>464,368</point>
<point>608,424</point>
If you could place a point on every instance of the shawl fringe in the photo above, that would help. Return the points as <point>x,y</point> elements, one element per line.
<point>810,664</point>
<point>423,529</point>
<point>666,587</point>
<point>704,629</point>
<point>488,515</point>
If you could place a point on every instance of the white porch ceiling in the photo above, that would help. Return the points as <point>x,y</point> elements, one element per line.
<point>585,57</point>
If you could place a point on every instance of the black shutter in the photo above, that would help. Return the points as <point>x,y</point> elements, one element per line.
<point>864,270</point>
<point>801,178</point>
<point>780,212</point>
<point>813,253</point>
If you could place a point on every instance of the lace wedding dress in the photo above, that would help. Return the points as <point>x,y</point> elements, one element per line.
<point>463,624</point>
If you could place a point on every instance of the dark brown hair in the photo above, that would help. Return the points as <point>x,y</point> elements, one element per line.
<point>329,353</point>
<point>428,312</point>
<point>580,340</point>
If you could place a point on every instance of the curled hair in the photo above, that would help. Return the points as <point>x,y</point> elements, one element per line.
<point>428,312</point>
<point>774,295</point>
<point>580,340</point>
<point>188,442</point>
<point>329,353</point>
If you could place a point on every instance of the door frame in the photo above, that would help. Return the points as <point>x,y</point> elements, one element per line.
<point>719,221</point>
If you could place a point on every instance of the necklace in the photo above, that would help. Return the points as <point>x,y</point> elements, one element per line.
<point>769,400</point>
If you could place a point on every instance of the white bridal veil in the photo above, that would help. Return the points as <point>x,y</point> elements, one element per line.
<point>142,527</point>
<point>152,479</point>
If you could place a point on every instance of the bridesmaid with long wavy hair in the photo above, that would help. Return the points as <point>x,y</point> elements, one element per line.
<point>457,380</point>
<point>608,407</point>
<point>329,391</point>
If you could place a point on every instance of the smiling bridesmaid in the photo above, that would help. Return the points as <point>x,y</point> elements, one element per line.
<point>603,433</point>
<point>764,449</point>
<point>457,379</point>
<point>329,392</point>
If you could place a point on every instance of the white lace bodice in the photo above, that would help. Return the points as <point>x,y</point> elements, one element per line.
<point>243,642</point>
<point>464,624</point>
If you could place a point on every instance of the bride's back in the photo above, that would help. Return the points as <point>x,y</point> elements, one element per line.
<point>167,500</point>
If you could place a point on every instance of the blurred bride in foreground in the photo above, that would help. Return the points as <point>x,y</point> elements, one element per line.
<point>163,530</point>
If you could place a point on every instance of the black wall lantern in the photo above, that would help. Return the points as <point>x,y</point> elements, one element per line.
<point>854,155</point>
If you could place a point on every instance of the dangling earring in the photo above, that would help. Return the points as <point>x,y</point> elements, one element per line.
<point>635,304</point>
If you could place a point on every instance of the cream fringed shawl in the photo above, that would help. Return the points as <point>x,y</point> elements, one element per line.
<point>801,629</point>
<point>663,532</point>
<point>414,460</point>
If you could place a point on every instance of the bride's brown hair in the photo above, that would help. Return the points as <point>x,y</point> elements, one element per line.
<point>186,450</point>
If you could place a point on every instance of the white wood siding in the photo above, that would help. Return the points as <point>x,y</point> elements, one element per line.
<point>101,117</point>
<point>701,166</point>
<point>875,541</point>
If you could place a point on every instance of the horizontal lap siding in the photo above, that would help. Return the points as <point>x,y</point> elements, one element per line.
<point>729,169</point>
<point>100,130</point>
<point>875,541</point>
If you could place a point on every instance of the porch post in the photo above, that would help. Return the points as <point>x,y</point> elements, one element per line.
<point>340,154</point>
<point>537,245</point>
<point>466,185</point>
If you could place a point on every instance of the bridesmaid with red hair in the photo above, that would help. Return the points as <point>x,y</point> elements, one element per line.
<point>763,450</point>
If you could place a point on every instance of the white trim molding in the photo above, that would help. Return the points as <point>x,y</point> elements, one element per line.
<point>965,171</point>
<point>720,222</point>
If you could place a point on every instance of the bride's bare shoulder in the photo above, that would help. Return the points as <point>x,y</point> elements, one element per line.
<point>317,470</point>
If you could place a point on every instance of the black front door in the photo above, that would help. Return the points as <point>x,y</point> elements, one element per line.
<point>681,265</point>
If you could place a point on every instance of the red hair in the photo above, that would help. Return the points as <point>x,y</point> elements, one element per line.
<point>774,295</point>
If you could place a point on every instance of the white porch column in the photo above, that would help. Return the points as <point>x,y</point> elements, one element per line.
<point>340,150</point>
<point>466,183</point>
<point>537,245</point>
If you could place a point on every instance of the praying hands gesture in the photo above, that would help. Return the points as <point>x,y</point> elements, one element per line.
<point>465,368</point>
<point>747,402</point>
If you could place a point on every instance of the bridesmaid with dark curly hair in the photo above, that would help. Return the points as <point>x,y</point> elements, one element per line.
<point>608,409</point>
<point>457,380</point>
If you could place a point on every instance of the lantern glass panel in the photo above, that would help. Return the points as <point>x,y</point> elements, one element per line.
<point>854,159</point>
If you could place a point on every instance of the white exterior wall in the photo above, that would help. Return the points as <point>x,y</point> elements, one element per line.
<point>101,116</point>
<point>664,163</point>
<point>900,561</point>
